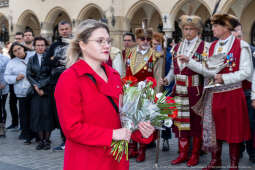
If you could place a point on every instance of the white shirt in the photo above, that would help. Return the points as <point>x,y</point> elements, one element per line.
<point>142,51</point>
<point>15,67</point>
<point>245,65</point>
<point>226,47</point>
<point>189,46</point>
<point>187,49</point>
<point>39,56</point>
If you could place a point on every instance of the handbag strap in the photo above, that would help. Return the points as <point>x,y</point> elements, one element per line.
<point>109,97</point>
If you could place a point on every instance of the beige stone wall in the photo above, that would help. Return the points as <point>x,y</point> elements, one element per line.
<point>43,15</point>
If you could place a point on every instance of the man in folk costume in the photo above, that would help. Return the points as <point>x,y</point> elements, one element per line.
<point>139,63</point>
<point>188,89</point>
<point>225,114</point>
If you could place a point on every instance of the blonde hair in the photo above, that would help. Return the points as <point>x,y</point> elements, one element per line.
<point>82,33</point>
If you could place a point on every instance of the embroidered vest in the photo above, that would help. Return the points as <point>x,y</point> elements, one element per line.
<point>197,56</point>
<point>139,70</point>
<point>235,52</point>
<point>187,82</point>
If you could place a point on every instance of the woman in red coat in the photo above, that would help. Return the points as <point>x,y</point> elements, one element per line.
<point>87,97</point>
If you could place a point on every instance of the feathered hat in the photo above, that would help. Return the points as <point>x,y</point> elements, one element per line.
<point>144,31</point>
<point>227,20</point>
<point>191,20</point>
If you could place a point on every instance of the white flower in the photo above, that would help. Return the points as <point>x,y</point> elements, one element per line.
<point>158,95</point>
<point>127,85</point>
<point>152,91</point>
<point>141,85</point>
<point>168,123</point>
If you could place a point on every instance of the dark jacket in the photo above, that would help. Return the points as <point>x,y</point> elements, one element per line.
<point>39,75</point>
<point>56,59</point>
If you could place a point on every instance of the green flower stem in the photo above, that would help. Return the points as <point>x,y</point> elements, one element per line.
<point>126,150</point>
<point>115,148</point>
<point>118,149</point>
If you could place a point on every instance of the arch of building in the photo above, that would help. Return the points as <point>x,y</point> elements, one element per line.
<point>248,21</point>
<point>28,19</point>
<point>226,6</point>
<point>201,8</point>
<point>144,10</point>
<point>50,24</point>
<point>54,16</point>
<point>4,20</point>
<point>90,11</point>
<point>182,7</point>
<point>4,28</point>
<point>139,4</point>
<point>238,7</point>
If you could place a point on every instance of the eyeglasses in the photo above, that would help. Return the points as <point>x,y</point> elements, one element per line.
<point>127,40</point>
<point>143,39</point>
<point>103,41</point>
<point>189,29</point>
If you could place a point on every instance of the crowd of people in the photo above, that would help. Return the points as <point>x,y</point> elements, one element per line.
<point>29,73</point>
<point>74,84</point>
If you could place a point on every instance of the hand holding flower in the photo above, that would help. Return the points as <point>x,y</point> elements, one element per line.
<point>146,129</point>
<point>121,134</point>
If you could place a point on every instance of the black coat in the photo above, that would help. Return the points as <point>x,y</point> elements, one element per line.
<point>42,116</point>
<point>39,75</point>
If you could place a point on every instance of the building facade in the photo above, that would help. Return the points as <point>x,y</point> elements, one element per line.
<point>42,16</point>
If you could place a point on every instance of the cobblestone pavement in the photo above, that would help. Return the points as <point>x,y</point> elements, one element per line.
<point>14,155</point>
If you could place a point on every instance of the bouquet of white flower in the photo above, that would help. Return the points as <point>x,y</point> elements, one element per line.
<point>141,103</point>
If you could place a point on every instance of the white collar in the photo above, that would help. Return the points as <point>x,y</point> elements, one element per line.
<point>226,40</point>
<point>191,41</point>
<point>142,51</point>
<point>39,55</point>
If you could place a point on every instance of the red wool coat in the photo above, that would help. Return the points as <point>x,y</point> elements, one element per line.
<point>88,118</point>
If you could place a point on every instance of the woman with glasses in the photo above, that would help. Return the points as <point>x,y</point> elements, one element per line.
<point>38,74</point>
<point>87,97</point>
<point>15,74</point>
